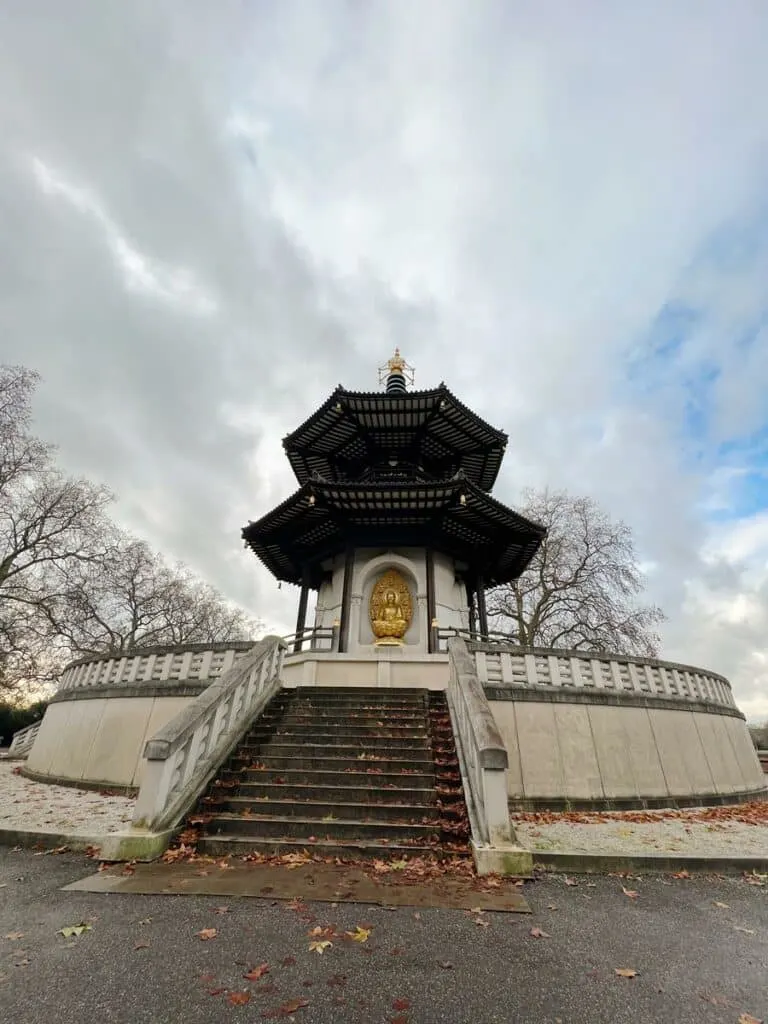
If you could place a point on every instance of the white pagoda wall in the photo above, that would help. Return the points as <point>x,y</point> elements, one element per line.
<point>368,565</point>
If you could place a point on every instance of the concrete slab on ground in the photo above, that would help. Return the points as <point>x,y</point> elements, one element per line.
<point>320,882</point>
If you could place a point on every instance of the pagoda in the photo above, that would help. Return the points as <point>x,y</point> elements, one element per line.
<point>393,523</point>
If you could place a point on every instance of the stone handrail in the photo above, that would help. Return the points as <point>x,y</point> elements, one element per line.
<point>168,664</point>
<point>482,754</point>
<point>523,667</point>
<point>183,756</point>
<point>22,741</point>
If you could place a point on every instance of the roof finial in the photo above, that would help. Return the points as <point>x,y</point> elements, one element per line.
<point>396,373</point>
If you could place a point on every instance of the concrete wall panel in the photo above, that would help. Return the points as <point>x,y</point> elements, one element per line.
<point>611,743</point>
<point>643,753</point>
<point>581,771</point>
<point>505,714</point>
<point>719,752</point>
<point>539,754</point>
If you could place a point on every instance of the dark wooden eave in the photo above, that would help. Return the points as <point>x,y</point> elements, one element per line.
<point>323,517</point>
<point>354,430</point>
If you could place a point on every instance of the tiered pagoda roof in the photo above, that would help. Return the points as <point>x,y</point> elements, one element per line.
<point>396,469</point>
<point>354,431</point>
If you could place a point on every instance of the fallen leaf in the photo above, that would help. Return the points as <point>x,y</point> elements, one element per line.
<point>287,1008</point>
<point>446,965</point>
<point>625,972</point>
<point>256,972</point>
<point>141,945</point>
<point>207,933</point>
<point>401,1004</point>
<point>681,874</point>
<point>359,934</point>
<point>320,946</point>
<point>631,894</point>
<point>747,1018</point>
<point>538,933</point>
<point>221,910</point>
<point>748,931</point>
<point>74,929</point>
<point>717,903</point>
<point>239,998</point>
<point>216,991</point>
<point>571,881</point>
<point>288,961</point>
<point>481,922</point>
<point>14,935</point>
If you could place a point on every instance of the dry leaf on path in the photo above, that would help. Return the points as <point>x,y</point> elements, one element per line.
<point>747,931</point>
<point>625,972</point>
<point>319,946</point>
<point>631,894</point>
<point>74,929</point>
<point>141,945</point>
<point>207,933</point>
<point>539,933</point>
<point>287,1008</point>
<point>747,1018</point>
<point>14,935</point>
<point>359,934</point>
<point>571,881</point>
<point>401,1004</point>
<point>239,998</point>
<point>256,972</point>
<point>723,906</point>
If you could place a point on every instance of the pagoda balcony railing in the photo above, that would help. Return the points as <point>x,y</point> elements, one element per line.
<point>502,665</point>
<point>313,638</point>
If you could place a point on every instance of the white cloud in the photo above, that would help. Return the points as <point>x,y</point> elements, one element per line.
<point>510,192</point>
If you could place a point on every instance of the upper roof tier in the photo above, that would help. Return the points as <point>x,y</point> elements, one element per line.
<point>353,432</point>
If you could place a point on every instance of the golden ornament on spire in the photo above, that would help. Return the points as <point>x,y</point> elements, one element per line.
<point>396,373</point>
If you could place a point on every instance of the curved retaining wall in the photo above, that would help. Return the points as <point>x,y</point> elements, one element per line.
<point>106,708</point>
<point>589,730</point>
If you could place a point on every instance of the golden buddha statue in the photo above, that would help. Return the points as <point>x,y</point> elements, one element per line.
<point>390,608</point>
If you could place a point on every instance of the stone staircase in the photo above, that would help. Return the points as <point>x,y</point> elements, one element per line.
<point>342,771</point>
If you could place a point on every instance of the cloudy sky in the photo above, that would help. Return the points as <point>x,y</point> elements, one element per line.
<point>213,213</point>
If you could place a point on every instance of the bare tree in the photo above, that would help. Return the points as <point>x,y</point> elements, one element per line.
<point>49,524</point>
<point>132,597</point>
<point>70,581</point>
<point>580,590</point>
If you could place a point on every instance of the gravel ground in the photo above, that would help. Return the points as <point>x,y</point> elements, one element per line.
<point>698,949</point>
<point>621,835</point>
<point>38,806</point>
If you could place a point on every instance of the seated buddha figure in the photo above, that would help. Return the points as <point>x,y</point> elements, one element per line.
<point>389,612</point>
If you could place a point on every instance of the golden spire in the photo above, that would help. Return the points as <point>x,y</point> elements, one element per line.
<point>396,373</point>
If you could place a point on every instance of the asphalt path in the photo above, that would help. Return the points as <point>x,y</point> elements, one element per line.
<point>699,947</point>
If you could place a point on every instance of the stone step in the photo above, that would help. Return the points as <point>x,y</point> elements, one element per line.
<point>305,828</point>
<point>352,745</point>
<point>301,757</point>
<point>320,809</point>
<point>357,776</point>
<point>423,796</point>
<point>365,719</point>
<point>356,700</point>
<point>277,747</point>
<point>337,729</point>
<point>368,849</point>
